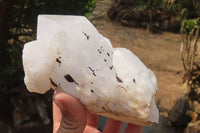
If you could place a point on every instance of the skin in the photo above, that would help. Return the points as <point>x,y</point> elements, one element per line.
<point>70,116</point>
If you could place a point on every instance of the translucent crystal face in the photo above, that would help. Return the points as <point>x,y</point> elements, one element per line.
<point>70,55</point>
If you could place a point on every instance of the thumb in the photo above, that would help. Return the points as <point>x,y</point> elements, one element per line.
<point>73,114</point>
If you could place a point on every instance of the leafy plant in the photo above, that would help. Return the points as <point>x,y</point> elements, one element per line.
<point>190,34</point>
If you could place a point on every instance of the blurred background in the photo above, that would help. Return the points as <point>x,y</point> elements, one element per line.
<point>162,33</point>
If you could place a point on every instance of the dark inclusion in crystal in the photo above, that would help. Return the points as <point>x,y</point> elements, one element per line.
<point>58,60</point>
<point>53,83</point>
<point>86,36</point>
<point>134,81</point>
<point>111,67</point>
<point>118,79</point>
<point>93,71</point>
<point>70,79</point>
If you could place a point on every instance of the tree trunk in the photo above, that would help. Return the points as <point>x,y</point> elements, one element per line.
<point>149,7</point>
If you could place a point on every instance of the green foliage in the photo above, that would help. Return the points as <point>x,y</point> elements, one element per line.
<point>190,33</point>
<point>184,13</point>
<point>140,5</point>
<point>22,28</point>
<point>187,25</point>
<point>160,3</point>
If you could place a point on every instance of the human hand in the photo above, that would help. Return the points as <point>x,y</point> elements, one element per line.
<point>70,116</point>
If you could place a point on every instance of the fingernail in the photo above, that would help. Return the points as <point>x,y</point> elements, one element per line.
<point>60,105</point>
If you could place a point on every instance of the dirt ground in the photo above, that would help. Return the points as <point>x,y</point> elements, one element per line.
<point>160,52</point>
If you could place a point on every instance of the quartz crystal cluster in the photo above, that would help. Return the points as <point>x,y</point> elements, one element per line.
<point>70,55</point>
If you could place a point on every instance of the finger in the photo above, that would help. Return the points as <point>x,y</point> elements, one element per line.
<point>113,126</point>
<point>73,114</point>
<point>131,128</point>
<point>90,129</point>
<point>92,120</point>
<point>57,117</point>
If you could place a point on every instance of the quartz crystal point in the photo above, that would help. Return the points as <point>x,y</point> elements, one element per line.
<point>70,55</point>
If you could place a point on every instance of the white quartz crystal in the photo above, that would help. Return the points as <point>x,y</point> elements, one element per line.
<point>70,55</point>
